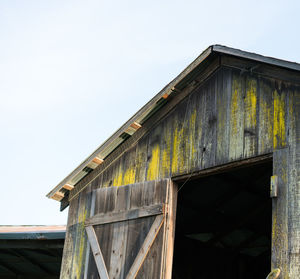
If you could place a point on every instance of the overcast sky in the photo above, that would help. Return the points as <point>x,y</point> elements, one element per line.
<point>72,72</point>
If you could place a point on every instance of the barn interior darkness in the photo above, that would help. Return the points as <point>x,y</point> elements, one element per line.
<point>223,225</point>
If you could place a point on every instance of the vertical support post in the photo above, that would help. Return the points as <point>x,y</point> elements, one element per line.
<point>280,213</point>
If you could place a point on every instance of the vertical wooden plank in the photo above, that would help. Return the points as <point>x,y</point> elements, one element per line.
<point>293,125</point>
<point>117,172</point>
<point>119,238</point>
<point>279,126</point>
<point>200,128</point>
<point>141,160</point>
<point>192,134</point>
<point>184,112</point>
<point>236,117</point>
<point>265,128</point>
<point>165,154</point>
<point>251,117</point>
<point>88,251</point>
<point>169,230</point>
<point>97,183</point>
<point>148,198</point>
<point>129,166</point>
<point>66,266</point>
<point>153,157</point>
<point>224,77</point>
<point>105,202</point>
<point>176,132</point>
<point>153,261</point>
<point>280,213</point>
<point>100,207</point>
<point>136,230</point>
<point>209,141</point>
<point>81,238</point>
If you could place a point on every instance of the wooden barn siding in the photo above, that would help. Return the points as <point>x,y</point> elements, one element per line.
<point>231,116</point>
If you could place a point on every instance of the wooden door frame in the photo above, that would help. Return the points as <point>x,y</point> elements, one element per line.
<point>243,163</point>
<point>277,253</point>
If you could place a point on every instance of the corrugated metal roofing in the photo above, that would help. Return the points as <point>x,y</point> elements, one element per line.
<point>31,251</point>
<point>136,121</point>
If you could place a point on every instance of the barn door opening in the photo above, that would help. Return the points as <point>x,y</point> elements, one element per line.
<point>223,225</point>
<point>131,231</point>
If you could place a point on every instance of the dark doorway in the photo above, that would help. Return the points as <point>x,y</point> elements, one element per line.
<point>223,225</point>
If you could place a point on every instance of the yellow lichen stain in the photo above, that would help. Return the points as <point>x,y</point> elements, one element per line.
<point>274,227</point>
<point>178,161</point>
<point>153,167</point>
<point>279,121</point>
<point>118,178</point>
<point>192,136</point>
<point>165,161</point>
<point>181,151</point>
<point>165,153</point>
<point>266,113</point>
<point>129,176</point>
<point>175,152</point>
<point>81,242</point>
<point>250,102</point>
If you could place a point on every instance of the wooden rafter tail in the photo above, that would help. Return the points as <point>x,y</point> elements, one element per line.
<point>58,196</point>
<point>68,186</point>
<point>135,125</point>
<point>166,96</point>
<point>98,160</point>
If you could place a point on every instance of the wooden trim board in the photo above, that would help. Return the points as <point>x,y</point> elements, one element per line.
<point>124,215</point>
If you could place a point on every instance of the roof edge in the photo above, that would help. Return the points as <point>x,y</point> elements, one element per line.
<point>136,121</point>
<point>257,57</point>
<point>136,118</point>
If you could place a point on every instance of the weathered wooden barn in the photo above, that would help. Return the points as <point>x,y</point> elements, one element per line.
<point>208,176</point>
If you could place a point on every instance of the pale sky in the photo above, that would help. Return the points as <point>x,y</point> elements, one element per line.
<point>72,72</point>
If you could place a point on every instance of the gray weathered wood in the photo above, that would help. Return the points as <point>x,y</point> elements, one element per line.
<point>120,232</point>
<point>280,213</point>
<point>124,215</point>
<point>145,247</point>
<point>97,253</point>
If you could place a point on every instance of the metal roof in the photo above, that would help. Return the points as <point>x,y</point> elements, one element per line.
<point>32,232</point>
<point>137,120</point>
<point>31,251</point>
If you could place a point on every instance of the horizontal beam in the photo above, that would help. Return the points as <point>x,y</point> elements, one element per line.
<point>224,168</point>
<point>112,217</point>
